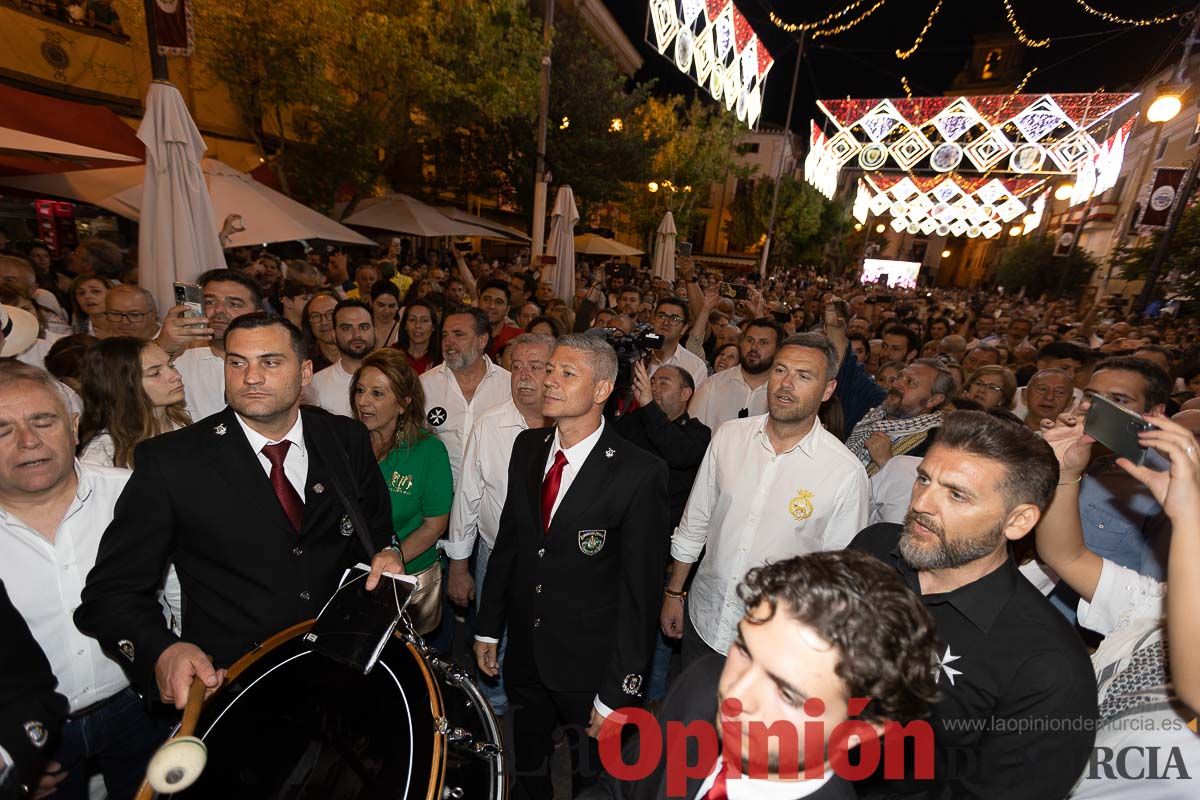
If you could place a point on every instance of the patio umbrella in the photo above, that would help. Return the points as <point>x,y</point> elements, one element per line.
<point>561,244</point>
<point>664,249</point>
<point>592,245</point>
<point>501,231</point>
<point>268,215</point>
<point>403,214</point>
<point>24,142</point>
<point>177,234</point>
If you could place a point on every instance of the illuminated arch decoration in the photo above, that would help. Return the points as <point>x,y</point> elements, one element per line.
<point>948,204</point>
<point>711,42</point>
<point>1022,134</point>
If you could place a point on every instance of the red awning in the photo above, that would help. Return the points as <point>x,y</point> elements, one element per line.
<point>66,120</point>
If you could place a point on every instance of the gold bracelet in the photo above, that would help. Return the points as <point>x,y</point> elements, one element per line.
<point>1071,483</point>
<point>676,595</point>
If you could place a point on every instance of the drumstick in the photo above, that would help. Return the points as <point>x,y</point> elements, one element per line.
<point>178,763</point>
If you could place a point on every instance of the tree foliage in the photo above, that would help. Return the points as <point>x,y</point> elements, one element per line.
<point>804,221</point>
<point>1180,272</point>
<point>692,147</point>
<point>1031,264</point>
<point>362,87</point>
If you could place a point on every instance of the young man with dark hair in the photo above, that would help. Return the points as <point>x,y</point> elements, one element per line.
<point>198,343</point>
<point>670,321</point>
<point>900,344</point>
<point>800,640</point>
<point>494,301</point>
<point>354,332</point>
<point>1017,708</point>
<point>741,392</point>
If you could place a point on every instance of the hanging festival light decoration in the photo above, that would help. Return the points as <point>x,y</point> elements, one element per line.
<point>815,26</point>
<point>1024,38</point>
<point>1047,134</point>
<point>1118,20</point>
<point>711,42</point>
<point>904,54</point>
<point>946,204</point>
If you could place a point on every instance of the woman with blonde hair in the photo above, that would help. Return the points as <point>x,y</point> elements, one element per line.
<point>386,396</point>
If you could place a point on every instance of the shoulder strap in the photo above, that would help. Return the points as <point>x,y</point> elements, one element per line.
<point>351,505</point>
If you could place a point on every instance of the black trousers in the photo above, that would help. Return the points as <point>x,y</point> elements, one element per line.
<point>537,714</point>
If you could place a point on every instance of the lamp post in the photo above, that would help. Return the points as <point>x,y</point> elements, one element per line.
<point>1165,107</point>
<point>539,172</point>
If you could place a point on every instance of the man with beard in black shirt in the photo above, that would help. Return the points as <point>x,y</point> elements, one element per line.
<point>1018,700</point>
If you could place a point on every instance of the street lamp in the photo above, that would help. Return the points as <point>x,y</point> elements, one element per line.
<point>858,226</point>
<point>652,187</point>
<point>1015,230</point>
<point>1168,103</point>
<point>616,126</point>
<point>880,228</point>
<point>1064,190</point>
<point>945,254</point>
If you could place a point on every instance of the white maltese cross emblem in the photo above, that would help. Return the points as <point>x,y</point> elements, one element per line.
<point>609,453</point>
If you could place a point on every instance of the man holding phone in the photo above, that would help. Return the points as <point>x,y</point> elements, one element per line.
<point>1121,519</point>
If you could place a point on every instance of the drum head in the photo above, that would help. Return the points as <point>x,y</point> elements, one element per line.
<point>297,725</point>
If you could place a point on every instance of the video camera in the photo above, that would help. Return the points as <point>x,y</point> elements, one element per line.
<point>631,348</point>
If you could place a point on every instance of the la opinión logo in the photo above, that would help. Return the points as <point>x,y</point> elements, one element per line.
<point>745,746</point>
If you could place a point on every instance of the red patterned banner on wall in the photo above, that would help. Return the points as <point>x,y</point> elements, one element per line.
<point>173,27</point>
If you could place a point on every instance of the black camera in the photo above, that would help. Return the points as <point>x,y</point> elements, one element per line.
<point>631,348</point>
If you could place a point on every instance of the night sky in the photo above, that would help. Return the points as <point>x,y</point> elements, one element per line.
<point>1087,53</point>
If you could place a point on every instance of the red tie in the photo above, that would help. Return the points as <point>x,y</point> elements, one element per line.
<point>293,506</point>
<point>717,790</point>
<point>550,486</point>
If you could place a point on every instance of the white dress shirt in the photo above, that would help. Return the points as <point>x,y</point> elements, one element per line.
<point>723,395</point>
<point>891,489</point>
<point>682,357</point>
<point>450,415</point>
<point>483,481</point>
<point>295,462</point>
<point>750,505</point>
<point>44,581</point>
<point>35,354</point>
<point>203,381</point>
<point>332,387</point>
<point>744,788</point>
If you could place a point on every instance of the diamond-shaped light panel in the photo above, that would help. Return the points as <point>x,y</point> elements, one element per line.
<point>910,148</point>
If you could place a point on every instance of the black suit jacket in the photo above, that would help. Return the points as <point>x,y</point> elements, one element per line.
<point>681,443</point>
<point>693,698</point>
<point>31,711</point>
<point>579,621</point>
<point>200,498</point>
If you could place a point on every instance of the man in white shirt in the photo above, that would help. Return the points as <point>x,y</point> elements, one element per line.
<point>354,331</point>
<point>670,319</point>
<point>19,274</point>
<point>198,343</point>
<point>465,384</point>
<point>483,481</point>
<point>770,487</point>
<point>53,511</point>
<point>742,392</point>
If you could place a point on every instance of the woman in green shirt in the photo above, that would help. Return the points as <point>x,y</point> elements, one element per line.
<point>387,398</point>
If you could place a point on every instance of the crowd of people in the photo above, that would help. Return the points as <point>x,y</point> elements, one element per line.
<point>799,489</point>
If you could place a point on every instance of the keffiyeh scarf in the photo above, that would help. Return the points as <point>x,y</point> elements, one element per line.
<point>904,433</point>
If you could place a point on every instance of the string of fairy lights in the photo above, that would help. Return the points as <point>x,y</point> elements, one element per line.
<point>841,21</point>
<point>904,54</point>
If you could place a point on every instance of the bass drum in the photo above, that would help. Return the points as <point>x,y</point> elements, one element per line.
<point>292,724</point>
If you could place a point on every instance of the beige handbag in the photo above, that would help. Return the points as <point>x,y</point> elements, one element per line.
<point>425,606</point>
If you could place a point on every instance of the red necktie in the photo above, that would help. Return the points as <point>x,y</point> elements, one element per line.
<point>717,790</point>
<point>550,486</point>
<point>293,506</point>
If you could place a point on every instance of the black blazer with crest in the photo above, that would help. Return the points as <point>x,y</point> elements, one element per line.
<point>582,600</point>
<point>200,498</point>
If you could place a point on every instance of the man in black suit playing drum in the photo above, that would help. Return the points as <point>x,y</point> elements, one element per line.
<point>244,504</point>
<point>577,569</point>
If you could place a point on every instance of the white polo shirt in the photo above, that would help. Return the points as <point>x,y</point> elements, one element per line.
<point>449,414</point>
<point>45,579</point>
<point>483,480</point>
<point>723,396</point>
<point>750,506</point>
<point>203,381</point>
<point>682,357</point>
<point>332,387</point>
